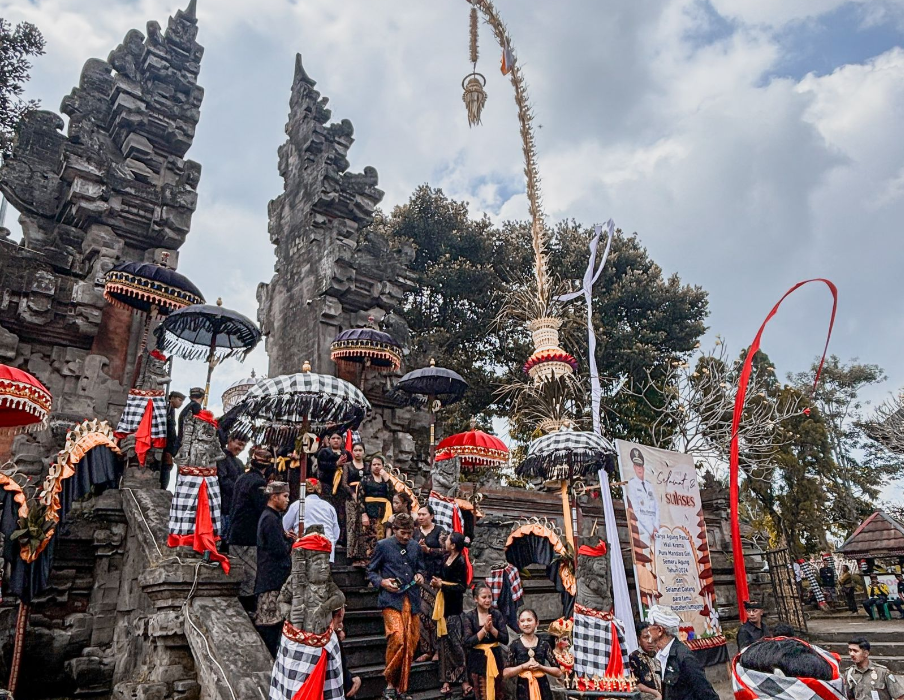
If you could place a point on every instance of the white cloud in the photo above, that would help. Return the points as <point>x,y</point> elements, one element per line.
<point>740,183</point>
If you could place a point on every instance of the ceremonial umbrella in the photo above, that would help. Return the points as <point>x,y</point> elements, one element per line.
<point>563,455</point>
<point>24,402</point>
<point>151,289</point>
<point>474,449</point>
<point>439,385</point>
<point>368,347</point>
<point>280,410</point>
<point>206,331</point>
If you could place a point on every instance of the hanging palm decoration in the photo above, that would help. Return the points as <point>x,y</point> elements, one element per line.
<point>475,96</point>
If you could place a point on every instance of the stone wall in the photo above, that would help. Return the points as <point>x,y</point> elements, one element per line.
<point>116,186</point>
<point>114,622</point>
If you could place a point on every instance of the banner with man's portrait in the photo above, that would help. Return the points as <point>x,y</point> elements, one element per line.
<point>672,564</point>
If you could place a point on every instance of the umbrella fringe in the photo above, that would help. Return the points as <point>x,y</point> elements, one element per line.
<point>563,464</point>
<point>187,350</point>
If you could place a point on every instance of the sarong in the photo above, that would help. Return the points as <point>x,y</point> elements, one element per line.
<point>185,504</point>
<point>295,662</point>
<point>402,633</point>
<point>248,558</point>
<point>427,643</point>
<point>593,642</point>
<point>452,652</point>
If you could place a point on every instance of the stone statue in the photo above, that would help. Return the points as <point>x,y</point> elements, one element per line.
<point>594,582</point>
<point>593,620</point>
<point>200,444</point>
<point>445,477</point>
<point>153,373</point>
<point>309,597</point>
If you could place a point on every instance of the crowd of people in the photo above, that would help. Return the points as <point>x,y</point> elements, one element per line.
<point>423,576</point>
<point>824,586</point>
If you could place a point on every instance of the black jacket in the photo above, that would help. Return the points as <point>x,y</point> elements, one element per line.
<point>172,438</point>
<point>248,502</point>
<point>748,633</point>
<point>274,553</point>
<point>228,472</point>
<point>388,561</point>
<point>684,678</point>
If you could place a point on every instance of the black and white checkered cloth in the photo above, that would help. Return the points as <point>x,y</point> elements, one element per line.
<point>295,662</point>
<point>749,684</point>
<point>134,412</point>
<point>185,504</point>
<point>565,451</point>
<point>444,511</point>
<point>810,573</point>
<point>592,644</point>
<point>283,392</point>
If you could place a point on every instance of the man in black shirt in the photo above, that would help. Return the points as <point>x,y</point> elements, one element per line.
<point>754,628</point>
<point>228,472</point>
<point>195,397</point>
<point>274,564</point>
<point>248,502</point>
<point>172,437</point>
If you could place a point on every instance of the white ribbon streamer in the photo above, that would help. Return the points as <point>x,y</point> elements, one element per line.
<point>620,592</point>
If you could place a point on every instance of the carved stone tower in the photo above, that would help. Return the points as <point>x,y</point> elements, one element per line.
<point>332,272</point>
<point>115,187</point>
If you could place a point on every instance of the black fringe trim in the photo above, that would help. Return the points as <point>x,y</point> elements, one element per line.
<point>564,464</point>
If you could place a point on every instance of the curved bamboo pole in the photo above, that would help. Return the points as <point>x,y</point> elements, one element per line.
<point>539,234</point>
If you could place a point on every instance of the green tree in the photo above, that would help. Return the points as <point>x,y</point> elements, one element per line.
<point>16,47</point>
<point>467,269</point>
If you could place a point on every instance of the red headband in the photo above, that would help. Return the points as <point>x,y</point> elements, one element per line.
<point>586,550</point>
<point>315,542</point>
<point>157,355</point>
<point>207,417</point>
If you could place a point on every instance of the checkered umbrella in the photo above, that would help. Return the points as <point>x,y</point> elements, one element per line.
<point>277,409</point>
<point>567,453</point>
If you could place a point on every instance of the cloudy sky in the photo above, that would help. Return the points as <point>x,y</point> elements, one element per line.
<point>750,143</point>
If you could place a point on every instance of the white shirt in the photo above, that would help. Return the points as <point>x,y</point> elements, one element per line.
<point>316,512</point>
<point>663,655</point>
<point>643,502</point>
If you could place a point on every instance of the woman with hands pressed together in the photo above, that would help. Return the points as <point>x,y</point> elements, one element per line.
<point>532,660</point>
<point>485,631</point>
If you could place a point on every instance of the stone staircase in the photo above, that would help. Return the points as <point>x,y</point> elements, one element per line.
<point>365,642</point>
<point>885,636</point>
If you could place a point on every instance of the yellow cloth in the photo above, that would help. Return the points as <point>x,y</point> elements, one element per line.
<point>337,479</point>
<point>283,462</point>
<point>876,591</point>
<point>533,687</point>
<point>387,511</point>
<point>439,611</point>
<point>492,668</point>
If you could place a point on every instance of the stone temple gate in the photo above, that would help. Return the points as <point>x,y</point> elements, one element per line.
<point>124,617</point>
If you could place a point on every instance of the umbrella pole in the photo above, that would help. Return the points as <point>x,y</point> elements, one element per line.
<point>148,319</point>
<point>303,489</point>
<point>566,512</point>
<point>211,363</point>
<point>21,625</point>
<point>430,400</point>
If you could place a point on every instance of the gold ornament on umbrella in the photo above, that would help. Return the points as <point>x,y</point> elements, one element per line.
<point>474,97</point>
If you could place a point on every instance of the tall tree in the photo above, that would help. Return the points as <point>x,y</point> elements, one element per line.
<point>16,47</point>
<point>467,269</point>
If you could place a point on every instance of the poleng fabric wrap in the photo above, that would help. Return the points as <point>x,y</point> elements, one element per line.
<point>185,504</point>
<point>295,662</point>
<point>753,685</point>
<point>508,593</point>
<point>593,641</point>
<point>813,578</point>
<point>136,404</point>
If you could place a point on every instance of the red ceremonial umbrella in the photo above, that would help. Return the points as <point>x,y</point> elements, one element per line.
<point>474,448</point>
<point>24,402</point>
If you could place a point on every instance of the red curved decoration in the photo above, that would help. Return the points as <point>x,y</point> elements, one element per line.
<point>738,549</point>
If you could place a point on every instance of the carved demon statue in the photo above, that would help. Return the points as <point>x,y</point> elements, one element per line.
<point>313,606</point>
<point>601,664</point>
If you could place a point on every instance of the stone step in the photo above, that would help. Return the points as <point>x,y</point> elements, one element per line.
<point>884,649</point>
<point>363,623</point>
<point>875,634</point>
<point>360,598</point>
<point>423,679</point>
<point>365,651</point>
<point>349,576</point>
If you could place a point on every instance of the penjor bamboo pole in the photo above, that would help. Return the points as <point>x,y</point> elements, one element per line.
<point>566,513</point>
<point>21,625</point>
